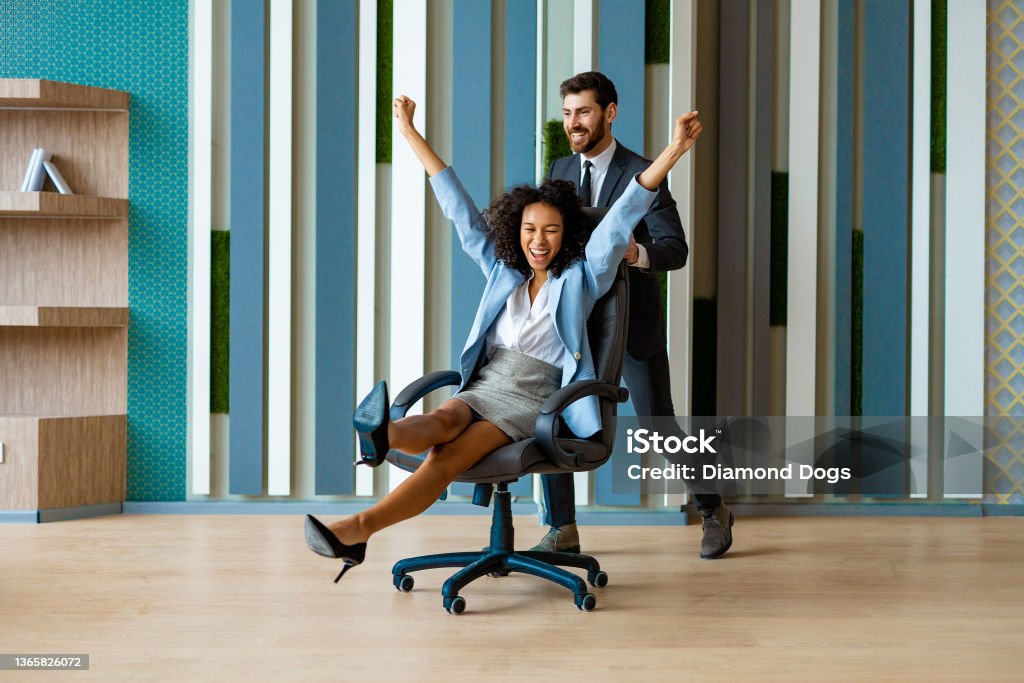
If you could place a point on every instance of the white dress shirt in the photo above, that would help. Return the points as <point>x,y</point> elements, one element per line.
<point>598,172</point>
<point>525,328</point>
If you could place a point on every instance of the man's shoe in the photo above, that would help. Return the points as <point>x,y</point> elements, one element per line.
<point>717,528</point>
<point>564,539</point>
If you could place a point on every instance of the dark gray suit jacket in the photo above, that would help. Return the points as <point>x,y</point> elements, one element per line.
<point>661,233</point>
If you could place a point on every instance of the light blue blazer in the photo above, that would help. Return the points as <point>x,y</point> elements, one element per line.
<point>571,295</point>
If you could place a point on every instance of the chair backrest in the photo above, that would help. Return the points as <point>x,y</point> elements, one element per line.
<point>606,332</point>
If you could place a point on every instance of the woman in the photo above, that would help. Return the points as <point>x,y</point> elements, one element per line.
<point>529,337</point>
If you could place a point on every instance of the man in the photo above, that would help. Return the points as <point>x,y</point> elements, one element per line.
<point>601,168</point>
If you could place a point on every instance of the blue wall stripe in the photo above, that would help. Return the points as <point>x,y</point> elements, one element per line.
<point>620,57</point>
<point>520,116</point>
<point>471,155</point>
<point>620,45</point>
<point>886,185</point>
<point>844,206</point>
<point>471,147</point>
<point>336,115</point>
<point>520,86</point>
<point>248,245</point>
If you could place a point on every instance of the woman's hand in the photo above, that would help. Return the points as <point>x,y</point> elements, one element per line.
<point>684,135</point>
<point>404,108</point>
<point>687,130</point>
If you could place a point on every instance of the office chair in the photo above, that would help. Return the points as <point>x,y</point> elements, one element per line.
<point>552,450</point>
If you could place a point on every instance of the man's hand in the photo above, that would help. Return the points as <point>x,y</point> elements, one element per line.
<point>404,108</point>
<point>687,130</point>
<point>632,253</point>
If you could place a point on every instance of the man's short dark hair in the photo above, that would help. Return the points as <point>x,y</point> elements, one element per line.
<point>604,89</point>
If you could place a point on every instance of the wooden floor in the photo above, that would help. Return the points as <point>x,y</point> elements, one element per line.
<point>225,598</point>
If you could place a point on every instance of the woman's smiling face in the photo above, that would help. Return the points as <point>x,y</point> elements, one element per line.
<point>540,234</point>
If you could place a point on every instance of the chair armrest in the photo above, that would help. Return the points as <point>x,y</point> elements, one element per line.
<point>419,388</point>
<point>546,427</point>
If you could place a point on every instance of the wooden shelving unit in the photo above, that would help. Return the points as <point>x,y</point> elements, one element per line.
<point>63,316</point>
<point>63,298</point>
<point>51,204</point>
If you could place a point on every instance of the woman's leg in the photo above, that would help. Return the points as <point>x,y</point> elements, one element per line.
<point>414,495</point>
<point>417,433</point>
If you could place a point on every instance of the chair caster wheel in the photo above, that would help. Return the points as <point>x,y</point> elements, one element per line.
<point>497,574</point>
<point>586,602</point>
<point>404,582</point>
<point>455,605</point>
<point>597,579</point>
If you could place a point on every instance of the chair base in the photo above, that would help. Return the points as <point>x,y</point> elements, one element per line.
<point>500,559</point>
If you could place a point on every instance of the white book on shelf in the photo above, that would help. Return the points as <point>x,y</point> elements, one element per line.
<point>28,170</point>
<point>57,178</point>
<point>38,172</point>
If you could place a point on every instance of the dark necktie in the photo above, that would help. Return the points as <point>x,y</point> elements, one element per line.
<point>585,184</point>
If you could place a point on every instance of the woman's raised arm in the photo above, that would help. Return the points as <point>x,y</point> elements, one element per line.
<point>609,241</point>
<point>455,202</point>
<point>404,108</point>
<point>687,130</point>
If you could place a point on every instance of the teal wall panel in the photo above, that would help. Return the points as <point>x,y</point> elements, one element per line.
<point>140,47</point>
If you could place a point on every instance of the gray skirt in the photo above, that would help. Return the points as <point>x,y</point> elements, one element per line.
<point>509,391</point>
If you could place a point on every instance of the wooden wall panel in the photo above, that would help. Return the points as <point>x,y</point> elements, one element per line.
<point>64,263</point>
<point>63,371</point>
<point>19,471</point>
<point>81,460</point>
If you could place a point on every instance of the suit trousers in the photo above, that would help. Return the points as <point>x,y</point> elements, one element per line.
<point>649,388</point>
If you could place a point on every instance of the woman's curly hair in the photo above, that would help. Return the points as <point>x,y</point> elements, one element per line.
<point>505,216</point>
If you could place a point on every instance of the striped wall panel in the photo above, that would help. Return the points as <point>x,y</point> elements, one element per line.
<point>761,176</point>
<point>408,209</point>
<point>471,147</point>
<point>843,265</point>
<point>200,265</point>
<point>620,57</point>
<point>921,244</point>
<point>920,177</point>
<point>280,390</point>
<point>965,209</point>
<point>248,244</point>
<point>471,157</point>
<point>584,14</point>
<point>520,78</point>
<point>733,192</point>
<point>886,179</point>
<point>520,115</point>
<point>802,285</point>
<point>965,234</point>
<point>681,97</point>
<point>366,202</point>
<point>336,164</point>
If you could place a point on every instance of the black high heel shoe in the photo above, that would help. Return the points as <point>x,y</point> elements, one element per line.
<point>322,541</point>
<point>371,421</point>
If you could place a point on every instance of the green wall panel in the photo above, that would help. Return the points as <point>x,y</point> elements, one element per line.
<point>385,55</point>
<point>220,331</point>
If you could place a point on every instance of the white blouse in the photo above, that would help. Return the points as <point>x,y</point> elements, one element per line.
<point>530,330</point>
